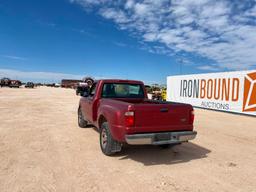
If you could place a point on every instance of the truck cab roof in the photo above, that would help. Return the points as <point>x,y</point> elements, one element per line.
<point>120,81</point>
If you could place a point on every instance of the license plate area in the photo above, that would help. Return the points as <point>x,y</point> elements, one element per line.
<point>186,137</point>
<point>166,137</point>
<point>162,137</point>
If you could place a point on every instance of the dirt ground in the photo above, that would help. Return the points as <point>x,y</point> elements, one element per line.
<point>42,149</point>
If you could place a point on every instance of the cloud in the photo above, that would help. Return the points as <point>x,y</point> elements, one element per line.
<point>222,30</point>
<point>129,4</point>
<point>37,76</point>
<point>116,15</point>
<point>120,44</point>
<point>13,57</point>
<point>208,68</point>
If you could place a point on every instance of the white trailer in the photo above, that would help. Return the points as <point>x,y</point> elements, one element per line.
<point>227,91</point>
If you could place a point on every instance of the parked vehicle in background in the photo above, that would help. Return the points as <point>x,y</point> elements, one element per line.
<point>163,94</point>
<point>5,82</point>
<point>84,86</point>
<point>39,84</point>
<point>52,85</point>
<point>149,91</point>
<point>122,113</point>
<point>56,85</point>
<point>156,90</point>
<point>29,85</point>
<point>15,84</point>
<point>69,83</point>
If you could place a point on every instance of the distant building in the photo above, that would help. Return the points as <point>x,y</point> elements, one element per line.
<point>70,83</point>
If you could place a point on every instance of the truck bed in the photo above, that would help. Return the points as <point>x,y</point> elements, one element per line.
<point>157,116</point>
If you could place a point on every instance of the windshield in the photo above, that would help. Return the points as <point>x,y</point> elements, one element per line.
<point>122,90</point>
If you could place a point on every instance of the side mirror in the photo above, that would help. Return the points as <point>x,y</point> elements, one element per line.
<point>85,94</point>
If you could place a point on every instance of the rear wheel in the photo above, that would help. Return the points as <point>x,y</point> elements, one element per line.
<point>81,121</point>
<point>107,144</point>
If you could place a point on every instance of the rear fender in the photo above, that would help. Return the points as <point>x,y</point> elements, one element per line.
<point>116,130</point>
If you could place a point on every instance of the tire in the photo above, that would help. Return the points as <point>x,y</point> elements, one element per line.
<point>81,121</point>
<point>107,144</point>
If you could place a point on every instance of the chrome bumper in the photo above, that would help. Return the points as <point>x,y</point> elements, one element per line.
<point>160,138</point>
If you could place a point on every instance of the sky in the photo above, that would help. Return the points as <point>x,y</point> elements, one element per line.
<point>145,40</point>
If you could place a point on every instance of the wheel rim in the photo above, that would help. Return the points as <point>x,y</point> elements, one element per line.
<point>104,138</point>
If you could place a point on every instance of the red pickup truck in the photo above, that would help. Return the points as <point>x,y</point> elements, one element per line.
<point>122,113</point>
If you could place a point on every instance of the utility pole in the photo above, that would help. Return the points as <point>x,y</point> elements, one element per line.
<point>181,66</point>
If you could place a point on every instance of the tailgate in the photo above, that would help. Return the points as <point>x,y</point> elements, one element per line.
<point>162,117</point>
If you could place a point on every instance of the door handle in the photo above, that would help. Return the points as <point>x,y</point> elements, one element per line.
<point>164,110</point>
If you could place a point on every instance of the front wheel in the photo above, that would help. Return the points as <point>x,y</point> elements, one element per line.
<point>107,144</point>
<point>81,121</point>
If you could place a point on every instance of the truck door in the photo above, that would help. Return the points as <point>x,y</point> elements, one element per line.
<point>87,104</point>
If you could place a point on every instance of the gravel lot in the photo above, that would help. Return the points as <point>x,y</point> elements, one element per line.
<point>42,149</point>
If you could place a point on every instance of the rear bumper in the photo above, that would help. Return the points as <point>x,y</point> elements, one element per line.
<point>160,138</point>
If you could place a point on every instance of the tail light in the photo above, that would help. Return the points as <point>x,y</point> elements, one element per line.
<point>192,117</point>
<point>129,118</point>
